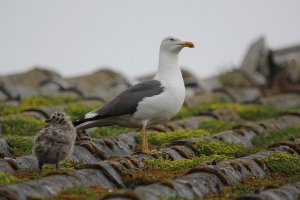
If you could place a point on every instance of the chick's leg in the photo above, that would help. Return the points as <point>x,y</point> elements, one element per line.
<point>57,165</point>
<point>41,165</point>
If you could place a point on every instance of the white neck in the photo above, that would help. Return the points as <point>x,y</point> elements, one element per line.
<point>168,68</point>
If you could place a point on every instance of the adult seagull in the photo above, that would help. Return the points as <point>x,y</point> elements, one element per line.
<point>146,103</point>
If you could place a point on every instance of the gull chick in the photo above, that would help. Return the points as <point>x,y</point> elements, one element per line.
<point>147,103</point>
<point>55,142</point>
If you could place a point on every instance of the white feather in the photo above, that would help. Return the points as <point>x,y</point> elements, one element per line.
<point>90,115</point>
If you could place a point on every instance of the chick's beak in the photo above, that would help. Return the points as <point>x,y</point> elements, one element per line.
<point>188,44</point>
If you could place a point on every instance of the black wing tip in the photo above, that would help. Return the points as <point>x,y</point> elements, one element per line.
<point>79,121</point>
<point>84,119</point>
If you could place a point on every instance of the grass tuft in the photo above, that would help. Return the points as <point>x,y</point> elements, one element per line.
<point>6,179</point>
<point>222,148</point>
<point>283,162</point>
<point>251,112</point>
<point>159,138</point>
<point>276,136</point>
<point>109,131</point>
<point>250,185</point>
<point>183,164</point>
<point>216,126</point>
<point>19,145</point>
<point>45,101</point>
<point>21,126</point>
<point>35,101</point>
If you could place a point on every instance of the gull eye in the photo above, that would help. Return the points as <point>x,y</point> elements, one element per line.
<point>171,39</point>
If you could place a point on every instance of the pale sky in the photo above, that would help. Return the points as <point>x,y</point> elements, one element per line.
<point>74,37</point>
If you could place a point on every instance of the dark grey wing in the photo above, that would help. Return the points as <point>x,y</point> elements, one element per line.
<point>124,103</point>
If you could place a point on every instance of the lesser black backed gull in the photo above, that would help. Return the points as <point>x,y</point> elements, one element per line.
<point>147,103</point>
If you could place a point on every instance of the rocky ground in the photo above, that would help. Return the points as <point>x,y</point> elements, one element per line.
<point>236,137</point>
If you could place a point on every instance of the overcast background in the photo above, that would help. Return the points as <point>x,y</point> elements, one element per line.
<point>80,36</point>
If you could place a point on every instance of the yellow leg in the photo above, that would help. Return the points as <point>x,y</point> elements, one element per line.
<point>145,147</point>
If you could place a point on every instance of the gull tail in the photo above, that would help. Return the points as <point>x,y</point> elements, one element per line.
<point>86,120</point>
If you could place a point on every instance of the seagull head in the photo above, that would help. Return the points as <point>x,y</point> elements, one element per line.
<point>173,44</point>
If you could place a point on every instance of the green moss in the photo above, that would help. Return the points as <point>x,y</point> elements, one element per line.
<point>215,126</point>
<point>276,136</point>
<point>35,101</point>
<point>69,164</point>
<point>185,112</point>
<point>75,193</point>
<point>6,179</point>
<point>222,148</point>
<point>77,110</point>
<point>183,164</point>
<point>274,180</point>
<point>148,176</point>
<point>45,101</point>
<point>19,145</point>
<point>250,185</point>
<point>251,112</point>
<point>258,112</point>
<point>284,163</point>
<point>8,110</point>
<point>22,126</point>
<point>109,131</point>
<point>157,170</point>
<point>81,192</point>
<point>65,168</point>
<point>159,138</point>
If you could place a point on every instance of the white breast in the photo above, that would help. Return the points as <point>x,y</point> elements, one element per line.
<point>162,107</point>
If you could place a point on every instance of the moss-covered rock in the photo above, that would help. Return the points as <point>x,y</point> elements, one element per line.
<point>19,145</point>
<point>45,101</point>
<point>8,110</point>
<point>148,176</point>
<point>21,126</point>
<point>257,112</point>
<point>276,136</point>
<point>159,138</point>
<point>65,168</point>
<point>157,170</point>
<point>183,164</point>
<point>6,179</point>
<point>109,131</point>
<point>216,126</point>
<point>250,185</point>
<point>283,162</point>
<point>35,101</point>
<point>80,192</point>
<point>70,164</point>
<point>251,112</point>
<point>77,192</point>
<point>222,148</point>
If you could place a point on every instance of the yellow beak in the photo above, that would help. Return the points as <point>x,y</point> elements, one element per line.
<point>188,44</point>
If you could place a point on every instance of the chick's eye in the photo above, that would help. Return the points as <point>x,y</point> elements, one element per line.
<point>171,39</point>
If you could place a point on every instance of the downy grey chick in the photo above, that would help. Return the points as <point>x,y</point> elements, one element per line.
<point>55,142</point>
